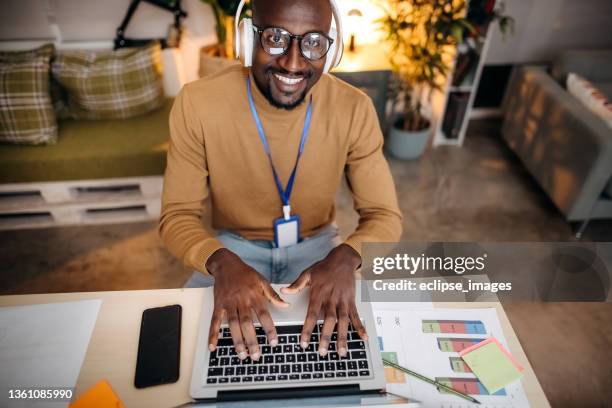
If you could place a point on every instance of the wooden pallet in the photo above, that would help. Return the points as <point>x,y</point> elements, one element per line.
<point>49,204</point>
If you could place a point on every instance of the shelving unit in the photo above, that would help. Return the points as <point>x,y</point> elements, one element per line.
<point>451,108</point>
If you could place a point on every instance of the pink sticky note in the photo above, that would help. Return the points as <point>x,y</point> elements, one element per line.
<point>502,348</point>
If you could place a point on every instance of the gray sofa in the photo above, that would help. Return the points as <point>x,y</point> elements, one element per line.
<point>565,146</point>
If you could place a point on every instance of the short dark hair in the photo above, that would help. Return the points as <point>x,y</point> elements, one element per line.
<point>253,5</point>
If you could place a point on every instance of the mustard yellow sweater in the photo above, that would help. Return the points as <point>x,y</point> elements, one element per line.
<point>215,151</point>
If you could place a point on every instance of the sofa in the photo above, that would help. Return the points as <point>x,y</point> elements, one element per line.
<point>89,149</point>
<point>565,146</point>
<point>99,171</point>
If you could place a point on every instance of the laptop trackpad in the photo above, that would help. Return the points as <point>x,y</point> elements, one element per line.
<point>293,313</point>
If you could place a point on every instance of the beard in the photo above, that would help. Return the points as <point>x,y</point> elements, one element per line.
<point>280,105</point>
<point>266,91</point>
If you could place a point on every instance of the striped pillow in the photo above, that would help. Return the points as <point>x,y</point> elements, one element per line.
<point>26,110</point>
<point>110,84</point>
<point>590,96</point>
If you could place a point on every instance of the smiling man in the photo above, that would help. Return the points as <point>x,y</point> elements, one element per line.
<point>235,137</point>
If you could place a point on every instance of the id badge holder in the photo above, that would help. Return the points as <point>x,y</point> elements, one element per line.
<point>287,229</point>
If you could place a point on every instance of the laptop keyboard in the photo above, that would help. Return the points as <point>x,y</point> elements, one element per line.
<point>287,361</point>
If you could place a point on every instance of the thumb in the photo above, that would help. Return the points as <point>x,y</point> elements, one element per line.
<point>272,296</point>
<point>300,283</point>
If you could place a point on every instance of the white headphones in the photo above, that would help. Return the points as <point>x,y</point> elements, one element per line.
<point>244,38</point>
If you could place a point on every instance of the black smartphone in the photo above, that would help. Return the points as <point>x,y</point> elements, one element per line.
<point>159,347</point>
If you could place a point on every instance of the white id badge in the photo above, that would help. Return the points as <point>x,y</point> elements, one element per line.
<point>287,231</point>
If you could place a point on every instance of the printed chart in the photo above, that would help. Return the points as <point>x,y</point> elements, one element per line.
<point>451,344</point>
<point>469,386</point>
<point>453,326</point>
<point>458,365</point>
<point>428,341</point>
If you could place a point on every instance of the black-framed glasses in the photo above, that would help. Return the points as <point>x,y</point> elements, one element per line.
<point>276,41</point>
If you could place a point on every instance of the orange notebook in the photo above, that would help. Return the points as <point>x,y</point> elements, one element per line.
<point>100,395</point>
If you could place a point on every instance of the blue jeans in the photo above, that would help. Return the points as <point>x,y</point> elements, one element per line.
<point>277,265</point>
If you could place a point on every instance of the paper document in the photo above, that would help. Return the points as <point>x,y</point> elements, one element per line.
<point>428,341</point>
<point>43,346</point>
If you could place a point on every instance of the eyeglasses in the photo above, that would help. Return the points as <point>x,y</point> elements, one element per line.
<point>277,41</point>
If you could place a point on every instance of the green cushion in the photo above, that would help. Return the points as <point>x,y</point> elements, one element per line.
<point>110,84</point>
<point>93,149</point>
<point>26,110</point>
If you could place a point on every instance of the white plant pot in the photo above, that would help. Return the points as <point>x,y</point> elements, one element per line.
<point>407,145</point>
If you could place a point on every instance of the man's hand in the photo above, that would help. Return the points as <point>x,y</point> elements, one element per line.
<point>239,290</point>
<point>332,294</point>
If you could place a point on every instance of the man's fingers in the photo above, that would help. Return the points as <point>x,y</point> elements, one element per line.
<point>300,283</point>
<point>215,326</point>
<point>309,322</point>
<point>268,325</point>
<point>234,326</point>
<point>343,321</point>
<point>327,329</point>
<point>248,333</point>
<point>357,323</point>
<point>272,296</point>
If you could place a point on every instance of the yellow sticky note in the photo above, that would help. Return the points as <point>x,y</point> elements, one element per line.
<point>490,362</point>
<point>100,395</point>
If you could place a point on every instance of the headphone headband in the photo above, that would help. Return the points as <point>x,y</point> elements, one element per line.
<point>244,37</point>
<point>236,30</point>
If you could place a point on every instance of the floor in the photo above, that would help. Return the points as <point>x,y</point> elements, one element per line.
<point>476,193</point>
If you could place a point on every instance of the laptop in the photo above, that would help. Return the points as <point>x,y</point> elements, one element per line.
<point>286,370</point>
<point>369,400</point>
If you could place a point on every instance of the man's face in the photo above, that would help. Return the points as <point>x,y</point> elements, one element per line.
<point>276,76</point>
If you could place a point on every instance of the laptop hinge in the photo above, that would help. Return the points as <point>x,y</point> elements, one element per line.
<point>292,392</point>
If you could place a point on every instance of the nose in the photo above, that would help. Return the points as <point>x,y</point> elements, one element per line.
<point>293,60</point>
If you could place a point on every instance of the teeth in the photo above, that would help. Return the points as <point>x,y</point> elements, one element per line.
<point>288,81</point>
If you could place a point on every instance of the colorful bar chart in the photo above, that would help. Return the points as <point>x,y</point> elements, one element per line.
<point>430,342</point>
<point>458,365</point>
<point>453,326</point>
<point>392,376</point>
<point>450,344</point>
<point>469,386</point>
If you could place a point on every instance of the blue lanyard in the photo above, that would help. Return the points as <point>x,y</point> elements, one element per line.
<point>285,194</point>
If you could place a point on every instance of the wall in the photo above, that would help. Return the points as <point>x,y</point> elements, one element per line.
<point>92,24</point>
<point>545,27</point>
<point>90,20</point>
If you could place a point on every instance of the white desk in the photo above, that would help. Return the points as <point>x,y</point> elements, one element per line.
<point>114,344</point>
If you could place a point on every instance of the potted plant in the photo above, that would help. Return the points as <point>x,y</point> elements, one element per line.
<point>422,35</point>
<point>217,56</point>
<point>224,12</point>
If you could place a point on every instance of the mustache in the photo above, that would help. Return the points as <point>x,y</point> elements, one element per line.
<point>305,74</point>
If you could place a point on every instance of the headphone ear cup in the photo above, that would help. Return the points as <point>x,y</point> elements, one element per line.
<point>340,44</point>
<point>331,60</point>
<point>244,43</point>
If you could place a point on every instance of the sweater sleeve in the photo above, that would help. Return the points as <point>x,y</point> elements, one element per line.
<point>185,188</point>
<point>370,181</point>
